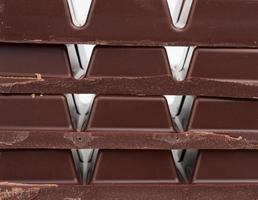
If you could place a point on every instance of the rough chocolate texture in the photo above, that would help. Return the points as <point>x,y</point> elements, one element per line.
<point>127,140</point>
<point>160,85</point>
<point>128,192</point>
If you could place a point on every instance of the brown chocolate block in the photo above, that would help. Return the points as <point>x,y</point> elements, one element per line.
<point>130,113</point>
<point>38,166</point>
<point>26,112</point>
<point>224,64</point>
<point>226,166</point>
<point>230,115</point>
<point>27,60</point>
<point>134,166</point>
<point>128,62</point>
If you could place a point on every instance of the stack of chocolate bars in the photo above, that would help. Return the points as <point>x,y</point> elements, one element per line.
<point>128,99</point>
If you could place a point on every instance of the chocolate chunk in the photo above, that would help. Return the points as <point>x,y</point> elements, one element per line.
<point>226,166</point>
<point>134,166</point>
<point>130,113</point>
<point>129,62</point>
<point>28,60</point>
<point>38,166</point>
<point>26,112</point>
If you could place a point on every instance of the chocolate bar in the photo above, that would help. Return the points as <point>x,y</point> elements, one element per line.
<point>130,113</point>
<point>225,166</point>
<point>34,112</point>
<point>131,22</point>
<point>134,166</point>
<point>128,173</point>
<point>124,122</point>
<point>108,71</point>
<point>236,117</point>
<point>38,167</point>
<point>122,143</point>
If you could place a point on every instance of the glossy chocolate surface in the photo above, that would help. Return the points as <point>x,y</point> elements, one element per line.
<point>134,166</point>
<point>128,62</point>
<point>26,112</point>
<point>27,60</point>
<point>224,64</point>
<point>215,114</point>
<point>226,166</point>
<point>38,166</point>
<point>130,113</point>
<point>137,22</point>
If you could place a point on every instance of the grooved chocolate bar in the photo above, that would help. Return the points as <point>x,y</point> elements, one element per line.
<point>124,122</point>
<point>134,166</point>
<point>222,166</point>
<point>131,22</point>
<point>26,112</point>
<point>130,113</point>
<point>133,140</point>
<point>38,167</point>
<point>28,68</point>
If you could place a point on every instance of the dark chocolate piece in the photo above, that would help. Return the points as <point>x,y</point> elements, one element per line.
<point>226,166</point>
<point>26,112</point>
<point>38,166</point>
<point>128,62</point>
<point>134,166</point>
<point>224,64</point>
<point>224,115</point>
<point>130,113</point>
<point>131,22</point>
<point>28,60</point>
